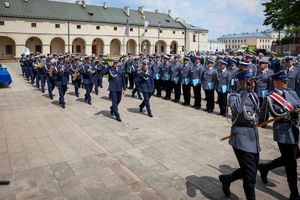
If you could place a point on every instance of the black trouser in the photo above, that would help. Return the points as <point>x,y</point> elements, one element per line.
<point>77,83</point>
<point>131,81</point>
<point>136,88</point>
<point>197,95</point>
<point>248,169</point>
<point>62,89</point>
<point>222,100</point>
<point>126,80</point>
<point>146,101</point>
<point>168,89</point>
<point>157,87</point>
<point>186,94</point>
<point>210,99</point>
<point>177,90</point>
<point>261,100</point>
<point>288,159</point>
<point>51,85</point>
<point>88,90</point>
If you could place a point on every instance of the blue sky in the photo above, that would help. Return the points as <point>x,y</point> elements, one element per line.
<point>218,16</point>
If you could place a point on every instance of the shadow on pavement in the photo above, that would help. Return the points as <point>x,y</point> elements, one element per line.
<point>71,93</point>
<point>105,113</point>
<point>105,98</point>
<point>81,100</point>
<point>4,85</point>
<point>135,110</point>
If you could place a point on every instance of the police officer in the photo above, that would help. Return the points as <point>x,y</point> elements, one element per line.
<point>244,136</point>
<point>50,78</point>
<point>196,80</point>
<point>263,80</point>
<point>233,70</point>
<point>297,64</point>
<point>209,77</point>
<point>157,67</point>
<point>175,77</point>
<point>22,64</point>
<point>134,72</point>
<point>146,85</point>
<point>76,76</point>
<point>283,102</point>
<point>223,86</point>
<point>185,76</point>
<point>61,77</point>
<point>274,62</point>
<point>116,79</point>
<point>293,75</point>
<point>129,69</point>
<point>166,77</point>
<point>98,68</point>
<point>87,73</point>
<point>40,73</point>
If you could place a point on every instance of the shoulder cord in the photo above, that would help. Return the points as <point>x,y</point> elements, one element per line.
<point>112,75</point>
<point>272,109</point>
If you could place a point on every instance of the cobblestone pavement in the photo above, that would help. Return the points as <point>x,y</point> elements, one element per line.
<point>82,153</point>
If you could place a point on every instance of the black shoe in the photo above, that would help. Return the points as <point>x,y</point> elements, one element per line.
<point>206,109</point>
<point>43,90</point>
<point>63,105</point>
<point>150,115</point>
<point>197,107</point>
<point>89,102</point>
<point>141,109</point>
<point>294,198</point>
<point>140,97</point>
<point>132,94</point>
<point>96,93</point>
<point>118,119</point>
<point>209,111</point>
<point>263,172</point>
<point>111,111</point>
<point>77,95</point>
<point>175,101</point>
<point>225,184</point>
<point>51,96</point>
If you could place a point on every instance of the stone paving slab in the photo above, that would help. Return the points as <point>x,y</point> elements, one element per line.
<point>81,152</point>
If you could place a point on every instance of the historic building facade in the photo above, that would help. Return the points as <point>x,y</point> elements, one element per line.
<point>49,26</point>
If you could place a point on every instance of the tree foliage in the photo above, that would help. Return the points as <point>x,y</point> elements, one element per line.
<point>282,13</point>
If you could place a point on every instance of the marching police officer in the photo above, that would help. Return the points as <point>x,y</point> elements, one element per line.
<point>283,102</point>
<point>244,135</point>
<point>175,77</point>
<point>263,80</point>
<point>293,75</point>
<point>209,77</point>
<point>129,69</point>
<point>223,86</point>
<point>40,73</point>
<point>146,85</point>
<point>98,68</point>
<point>49,67</point>
<point>185,76</point>
<point>196,80</point>
<point>87,73</point>
<point>157,67</point>
<point>134,72</point>
<point>116,79</point>
<point>61,78</point>
<point>76,76</point>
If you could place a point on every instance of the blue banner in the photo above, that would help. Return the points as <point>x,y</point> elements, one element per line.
<point>176,80</point>
<point>232,82</point>
<point>195,82</point>
<point>186,81</point>
<point>157,76</point>
<point>211,86</point>
<point>264,93</point>
<point>224,88</point>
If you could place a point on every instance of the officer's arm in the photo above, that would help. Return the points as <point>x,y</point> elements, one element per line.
<point>237,101</point>
<point>105,70</point>
<point>262,116</point>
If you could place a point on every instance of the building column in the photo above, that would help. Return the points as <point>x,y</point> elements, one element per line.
<point>45,49</point>
<point>152,48</point>
<point>68,50</point>
<point>168,49</point>
<point>88,49</point>
<point>106,49</point>
<point>19,50</point>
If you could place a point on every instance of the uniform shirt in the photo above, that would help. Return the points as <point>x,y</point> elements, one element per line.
<point>86,75</point>
<point>294,79</point>
<point>245,108</point>
<point>175,71</point>
<point>185,74</point>
<point>116,78</point>
<point>166,71</point>
<point>196,74</point>
<point>264,82</point>
<point>209,77</point>
<point>146,81</point>
<point>223,81</point>
<point>157,67</point>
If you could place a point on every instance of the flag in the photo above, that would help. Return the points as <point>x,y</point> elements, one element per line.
<point>145,27</point>
<point>126,34</point>
<point>158,29</point>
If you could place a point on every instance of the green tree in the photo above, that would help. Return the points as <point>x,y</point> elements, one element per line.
<point>282,13</point>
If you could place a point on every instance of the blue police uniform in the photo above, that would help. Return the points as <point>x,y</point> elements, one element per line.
<point>146,85</point>
<point>98,76</point>
<point>196,81</point>
<point>78,80</point>
<point>129,69</point>
<point>294,79</point>
<point>61,79</point>
<point>285,132</point>
<point>50,80</point>
<point>116,79</point>
<point>244,138</point>
<point>157,72</point>
<point>185,76</point>
<point>134,72</point>
<point>40,76</point>
<point>263,83</point>
<point>176,81</point>
<point>88,80</point>
<point>233,70</point>
<point>223,88</point>
<point>166,78</point>
<point>209,83</point>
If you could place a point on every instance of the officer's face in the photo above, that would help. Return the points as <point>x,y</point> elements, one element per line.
<point>176,59</point>
<point>280,84</point>
<point>197,61</point>
<point>222,67</point>
<point>288,64</point>
<point>263,66</point>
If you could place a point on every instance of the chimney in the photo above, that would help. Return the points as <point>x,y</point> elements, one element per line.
<point>104,5</point>
<point>6,4</point>
<point>141,9</point>
<point>169,12</point>
<point>83,3</point>
<point>156,10</point>
<point>126,10</point>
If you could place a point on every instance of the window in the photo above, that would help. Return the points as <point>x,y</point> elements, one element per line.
<point>38,48</point>
<point>115,28</point>
<point>9,49</point>
<point>131,29</point>
<point>33,24</point>
<point>160,31</point>
<point>162,48</point>
<point>78,26</point>
<point>182,33</point>
<point>194,38</point>
<point>78,49</point>
<point>174,32</point>
<point>244,40</point>
<point>1,23</point>
<point>146,30</point>
<point>57,25</point>
<point>97,27</point>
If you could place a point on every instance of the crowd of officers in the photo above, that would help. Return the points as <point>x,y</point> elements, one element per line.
<point>257,88</point>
